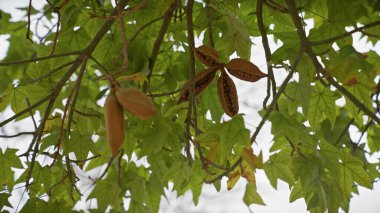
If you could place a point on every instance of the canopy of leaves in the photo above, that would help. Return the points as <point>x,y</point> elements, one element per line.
<point>58,80</point>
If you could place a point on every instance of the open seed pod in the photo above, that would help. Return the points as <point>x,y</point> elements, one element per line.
<point>244,70</point>
<point>207,56</point>
<point>228,95</point>
<point>203,79</point>
<point>114,118</point>
<point>135,102</point>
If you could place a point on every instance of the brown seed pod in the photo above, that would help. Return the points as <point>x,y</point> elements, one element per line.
<point>135,102</point>
<point>228,95</point>
<point>207,56</point>
<point>114,118</point>
<point>244,70</point>
<point>202,80</point>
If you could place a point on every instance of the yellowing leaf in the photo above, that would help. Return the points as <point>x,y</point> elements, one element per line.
<point>248,174</point>
<point>252,160</point>
<point>233,178</point>
<point>214,153</point>
<point>51,122</point>
<point>139,77</point>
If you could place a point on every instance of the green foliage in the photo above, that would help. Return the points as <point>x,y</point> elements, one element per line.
<point>333,91</point>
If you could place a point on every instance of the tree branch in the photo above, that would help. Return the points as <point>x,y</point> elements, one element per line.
<point>160,37</point>
<point>81,58</point>
<point>191,113</point>
<point>271,80</point>
<point>74,100</point>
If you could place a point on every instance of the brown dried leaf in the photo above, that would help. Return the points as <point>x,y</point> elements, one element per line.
<point>202,80</point>
<point>228,95</point>
<point>207,56</point>
<point>244,70</point>
<point>136,102</point>
<point>114,118</point>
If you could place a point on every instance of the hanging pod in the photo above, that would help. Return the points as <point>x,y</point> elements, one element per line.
<point>135,102</point>
<point>114,118</point>
<point>228,95</point>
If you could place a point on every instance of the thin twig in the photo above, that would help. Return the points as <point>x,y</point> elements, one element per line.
<point>364,131</point>
<point>137,32</point>
<point>31,114</point>
<point>225,173</point>
<point>28,28</point>
<point>17,135</point>
<point>56,10</point>
<point>77,87</point>
<point>165,93</point>
<point>84,160</point>
<point>209,24</point>
<point>335,38</point>
<point>344,131</point>
<point>51,72</point>
<point>77,52</point>
<point>99,64</point>
<point>106,170</point>
<point>271,80</point>
<point>38,103</point>
<point>160,37</point>
<point>123,67</point>
<point>275,6</point>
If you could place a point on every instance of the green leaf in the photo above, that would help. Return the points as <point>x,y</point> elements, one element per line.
<point>237,37</point>
<point>210,102</point>
<point>300,94</point>
<point>278,167</point>
<point>353,168</point>
<point>321,7</point>
<point>373,136</point>
<point>330,156</point>
<point>178,173</point>
<point>4,200</point>
<point>231,133</point>
<point>8,160</point>
<point>106,193</point>
<point>34,205</point>
<point>322,103</point>
<point>79,144</point>
<point>297,192</point>
<point>251,196</point>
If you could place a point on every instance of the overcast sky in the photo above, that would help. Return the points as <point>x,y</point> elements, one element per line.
<point>250,97</point>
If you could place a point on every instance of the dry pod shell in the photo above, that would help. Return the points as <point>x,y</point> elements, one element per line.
<point>135,102</point>
<point>228,95</point>
<point>114,117</point>
<point>202,80</point>
<point>244,70</point>
<point>207,56</point>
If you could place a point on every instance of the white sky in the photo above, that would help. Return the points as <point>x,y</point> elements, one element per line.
<point>250,97</point>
